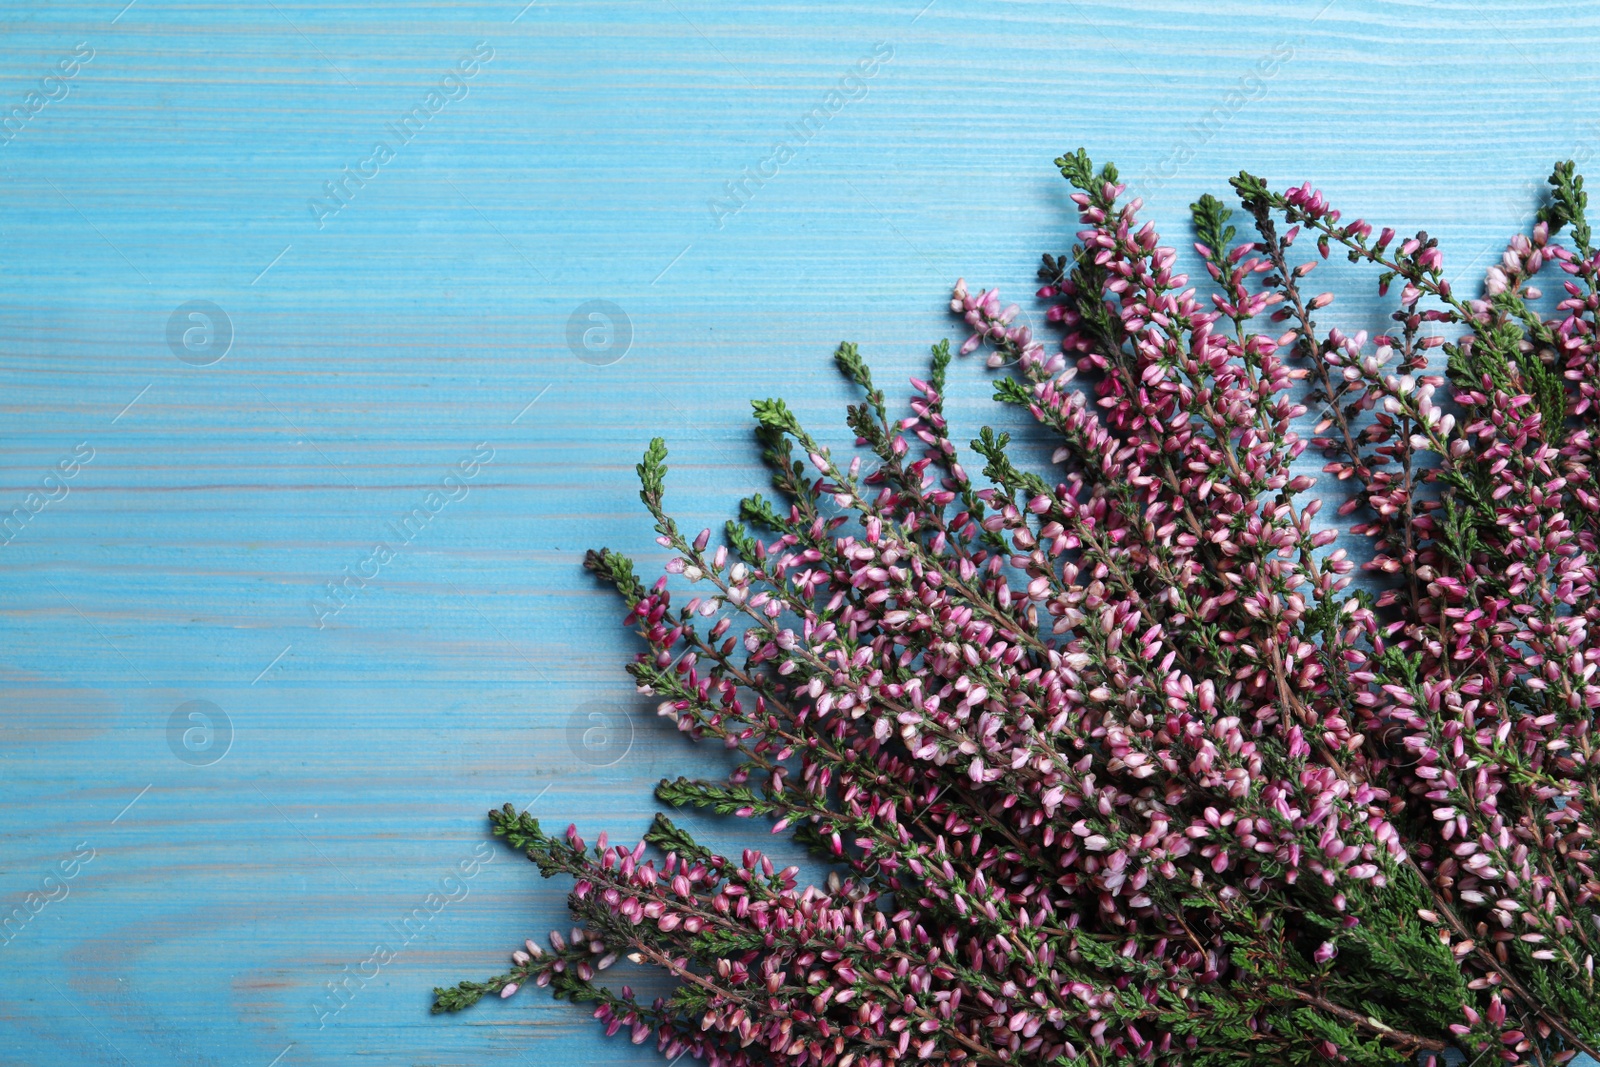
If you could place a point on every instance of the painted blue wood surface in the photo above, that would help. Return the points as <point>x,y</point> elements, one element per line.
<point>375,348</point>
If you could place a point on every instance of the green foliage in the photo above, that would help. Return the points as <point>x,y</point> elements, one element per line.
<point>999,468</point>
<point>941,363</point>
<point>669,837</point>
<point>460,996</point>
<point>1544,383</point>
<point>1079,170</point>
<point>848,358</point>
<point>520,830</point>
<point>1253,192</point>
<point>652,474</point>
<point>1496,356</point>
<point>758,509</point>
<point>740,540</point>
<point>1212,229</point>
<point>722,799</point>
<point>774,414</point>
<point>617,569</point>
<point>1568,204</point>
<point>1011,391</point>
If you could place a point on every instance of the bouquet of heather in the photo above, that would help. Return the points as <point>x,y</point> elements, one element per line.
<point>1113,763</point>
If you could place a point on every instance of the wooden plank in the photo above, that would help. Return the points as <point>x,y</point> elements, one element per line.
<point>375,348</point>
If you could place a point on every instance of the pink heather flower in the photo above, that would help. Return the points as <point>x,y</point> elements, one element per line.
<point>1133,756</point>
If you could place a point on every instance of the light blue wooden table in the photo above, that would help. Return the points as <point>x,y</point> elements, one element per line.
<point>394,366</point>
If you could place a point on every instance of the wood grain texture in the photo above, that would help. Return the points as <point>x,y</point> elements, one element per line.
<point>372,354</point>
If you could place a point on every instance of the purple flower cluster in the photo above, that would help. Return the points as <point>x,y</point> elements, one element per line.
<point>1118,762</point>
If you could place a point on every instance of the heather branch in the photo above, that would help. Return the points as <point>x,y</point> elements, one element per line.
<point>1123,769</point>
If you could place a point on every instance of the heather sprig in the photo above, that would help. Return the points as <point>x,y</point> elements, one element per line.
<point>1115,762</point>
